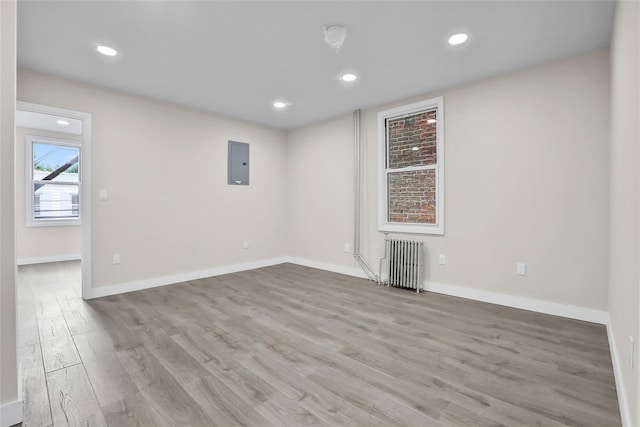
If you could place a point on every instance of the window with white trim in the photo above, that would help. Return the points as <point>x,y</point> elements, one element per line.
<point>411,158</point>
<point>53,181</point>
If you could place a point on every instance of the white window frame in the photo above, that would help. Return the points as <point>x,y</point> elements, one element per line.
<point>49,222</point>
<point>383,200</point>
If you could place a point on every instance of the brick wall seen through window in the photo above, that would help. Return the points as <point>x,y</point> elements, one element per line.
<point>412,194</point>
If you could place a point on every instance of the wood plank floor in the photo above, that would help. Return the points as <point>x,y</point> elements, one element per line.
<point>292,346</point>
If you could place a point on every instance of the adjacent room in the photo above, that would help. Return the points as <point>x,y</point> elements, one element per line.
<point>331,213</point>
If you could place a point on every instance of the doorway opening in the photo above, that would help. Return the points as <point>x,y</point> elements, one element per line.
<point>53,187</point>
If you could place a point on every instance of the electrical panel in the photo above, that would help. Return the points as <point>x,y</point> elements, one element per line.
<point>238,163</point>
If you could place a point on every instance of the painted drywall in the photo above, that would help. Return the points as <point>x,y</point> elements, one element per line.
<point>526,181</point>
<point>10,399</point>
<point>624,276</point>
<point>169,209</point>
<point>320,191</point>
<point>39,242</point>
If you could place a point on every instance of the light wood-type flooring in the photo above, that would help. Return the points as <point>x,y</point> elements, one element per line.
<point>293,346</point>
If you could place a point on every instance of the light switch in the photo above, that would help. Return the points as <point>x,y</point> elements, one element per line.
<point>103,195</point>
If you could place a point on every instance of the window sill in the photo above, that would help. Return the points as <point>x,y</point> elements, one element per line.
<point>54,223</point>
<point>411,228</point>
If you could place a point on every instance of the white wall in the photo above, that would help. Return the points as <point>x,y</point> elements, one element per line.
<point>10,391</point>
<point>526,180</point>
<point>170,210</point>
<point>624,276</point>
<point>320,191</point>
<point>33,243</point>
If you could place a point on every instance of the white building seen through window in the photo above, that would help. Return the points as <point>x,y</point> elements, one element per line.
<point>53,169</point>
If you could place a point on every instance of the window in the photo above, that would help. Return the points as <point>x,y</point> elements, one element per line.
<point>53,181</point>
<point>411,186</point>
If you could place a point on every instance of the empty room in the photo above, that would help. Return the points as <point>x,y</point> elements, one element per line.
<point>327,213</point>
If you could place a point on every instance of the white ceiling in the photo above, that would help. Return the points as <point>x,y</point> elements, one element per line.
<point>236,57</point>
<point>31,120</point>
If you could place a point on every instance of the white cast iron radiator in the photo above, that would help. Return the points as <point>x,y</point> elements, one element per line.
<point>404,263</point>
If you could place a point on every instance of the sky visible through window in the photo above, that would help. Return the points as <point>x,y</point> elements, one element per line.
<point>48,157</point>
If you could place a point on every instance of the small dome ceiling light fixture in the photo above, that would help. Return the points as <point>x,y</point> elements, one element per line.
<point>457,39</point>
<point>334,36</point>
<point>348,77</point>
<point>280,105</point>
<point>431,121</point>
<point>106,50</point>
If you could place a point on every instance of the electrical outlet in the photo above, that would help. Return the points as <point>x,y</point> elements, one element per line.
<point>347,248</point>
<point>245,245</point>
<point>632,351</point>
<point>443,259</point>
<point>116,258</point>
<point>521,269</point>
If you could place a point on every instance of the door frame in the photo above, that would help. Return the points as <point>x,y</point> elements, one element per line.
<point>85,196</point>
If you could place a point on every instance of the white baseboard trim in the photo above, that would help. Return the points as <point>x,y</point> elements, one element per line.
<point>617,373</point>
<point>11,413</point>
<point>349,271</point>
<point>45,259</point>
<point>556,309</point>
<point>103,291</point>
<point>539,306</point>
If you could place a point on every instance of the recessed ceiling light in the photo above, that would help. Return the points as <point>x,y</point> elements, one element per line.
<point>106,50</point>
<point>62,122</point>
<point>280,104</point>
<point>348,77</point>
<point>457,39</point>
<point>431,121</point>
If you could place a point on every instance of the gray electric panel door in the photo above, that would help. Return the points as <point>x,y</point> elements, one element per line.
<point>238,166</point>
